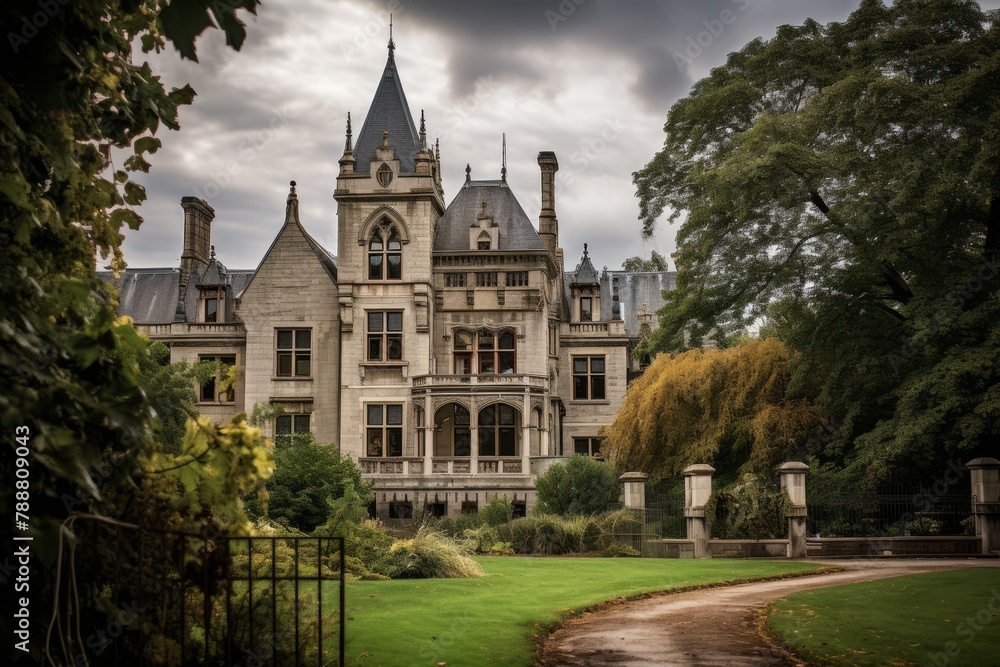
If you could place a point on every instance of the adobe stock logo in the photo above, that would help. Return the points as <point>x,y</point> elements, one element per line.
<point>699,43</point>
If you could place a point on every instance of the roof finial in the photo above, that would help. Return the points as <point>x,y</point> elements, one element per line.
<point>503,168</point>
<point>385,139</point>
<point>213,252</point>
<point>585,250</point>
<point>423,132</point>
<point>392,45</point>
<point>468,172</point>
<point>348,148</point>
<point>291,185</point>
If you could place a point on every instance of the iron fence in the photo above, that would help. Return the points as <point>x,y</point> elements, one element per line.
<point>641,529</point>
<point>895,511</point>
<point>668,498</point>
<point>172,598</point>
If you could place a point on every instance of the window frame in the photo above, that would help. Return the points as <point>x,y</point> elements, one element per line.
<point>593,446</point>
<point>296,353</point>
<point>592,379</point>
<point>498,434</point>
<point>220,360</point>
<point>589,316</point>
<point>385,337</point>
<point>377,433</point>
<point>517,279</point>
<point>504,359</point>
<point>295,419</point>
<point>486,278</point>
<point>390,246</point>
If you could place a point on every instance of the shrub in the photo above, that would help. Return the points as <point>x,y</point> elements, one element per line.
<point>616,550</point>
<point>432,555</point>
<point>580,486</point>
<point>749,510</point>
<point>307,478</point>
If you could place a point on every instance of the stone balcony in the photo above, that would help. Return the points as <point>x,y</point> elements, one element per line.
<point>443,466</point>
<point>601,329</point>
<point>503,380</point>
<point>195,332</point>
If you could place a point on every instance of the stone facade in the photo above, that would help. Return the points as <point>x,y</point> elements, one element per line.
<point>444,348</point>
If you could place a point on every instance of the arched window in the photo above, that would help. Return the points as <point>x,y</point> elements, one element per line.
<point>385,255</point>
<point>497,428</point>
<point>485,352</point>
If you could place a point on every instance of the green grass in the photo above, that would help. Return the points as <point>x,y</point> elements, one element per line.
<point>913,620</point>
<point>490,620</point>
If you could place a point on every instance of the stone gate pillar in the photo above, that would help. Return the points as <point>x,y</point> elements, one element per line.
<point>634,488</point>
<point>793,481</point>
<point>986,501</point>
<point>697,490</point>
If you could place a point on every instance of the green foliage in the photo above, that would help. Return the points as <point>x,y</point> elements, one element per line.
<point>733,409</point>
<point>841,182</point>
<point>499,510</point>
<point>751,509</point>
<point>656,262</point>
<point>580,486</point>
<point>169,388</point>
<point>264,413</point>
<point>307,478</point>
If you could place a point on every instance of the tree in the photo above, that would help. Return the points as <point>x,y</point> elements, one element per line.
<point>580,486</point>
<point>656,262</point>
<point>70,92</point>
<point>842,183</point>
<point>728,408</point>
<point>307,478</point>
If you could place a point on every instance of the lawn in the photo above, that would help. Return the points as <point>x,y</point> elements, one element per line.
<point>490,620</point>
<point>944,618</point>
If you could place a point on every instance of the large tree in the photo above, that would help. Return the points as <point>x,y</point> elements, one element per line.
<point>842,182</point>
<point>731,409</point>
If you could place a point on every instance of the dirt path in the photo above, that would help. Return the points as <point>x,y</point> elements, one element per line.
<point>707,627</point>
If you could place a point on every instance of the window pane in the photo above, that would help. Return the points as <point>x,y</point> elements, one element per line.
<point>461,415</point>
<point>227,361</point>
<point>580,387</point>
<point>487,363</point>
<point>374,322</point>
<point>506,362</point>
<point>507,444</point>
<point>463,364</point>
<point>376,243</point>
<point>374,442</point>
<point>302,364</point>
<point>375,348</point>
<point>211,309</point>
<point>301,423</point>
<point>283,425</point>
<point>208,390</point>
<point>394,322</point>
<point>487,416</point>
<point>374,415</point>
<point>395,267</point>
<point>506,415</point>
<point>597,387</point>
<point>581,446</point>
<point>394,345</point>
<point>463,442</point>
<point>485,340</point>
<point>585,309</point>
<point>597,365</point>
<point>487,442</point>
<point>463,340</point>
<point>303,339</point>
<point>394,415</point>
<point>394,441</point>
<point>374,267</point>
<point>284,339</point>
<point>506,341</point>
<point>285,363</point>
<point>580,366</point>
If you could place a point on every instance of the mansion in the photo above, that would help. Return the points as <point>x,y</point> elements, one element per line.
<point>445,348</point>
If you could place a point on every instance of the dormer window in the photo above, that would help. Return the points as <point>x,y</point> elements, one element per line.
<point>210,305</point>
<point>586,309</point>
<point>385,255</point>
<point>484,242</point>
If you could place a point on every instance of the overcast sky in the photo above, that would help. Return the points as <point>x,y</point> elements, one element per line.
<point>591,80</point>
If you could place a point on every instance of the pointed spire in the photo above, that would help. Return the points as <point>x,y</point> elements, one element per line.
<point>503,168</point>
<point>423,132</point>
<point>392,45</point>
<point>348,147</point>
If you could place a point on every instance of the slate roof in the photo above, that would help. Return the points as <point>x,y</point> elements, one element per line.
<point>149,296</point>
<point>388,111</point>
<point>585,273</point>
<point>516,231</point>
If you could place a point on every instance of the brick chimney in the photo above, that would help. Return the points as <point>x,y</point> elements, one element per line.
<point>548,225</point>
<point>198,216</point>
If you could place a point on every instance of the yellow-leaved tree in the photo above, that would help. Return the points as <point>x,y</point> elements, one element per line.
<point>729,408</point>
